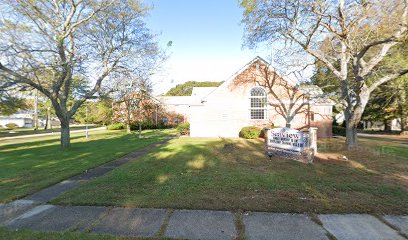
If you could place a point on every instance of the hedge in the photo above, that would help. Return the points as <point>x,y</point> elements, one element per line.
<point>250,132</point>
<point>149,125</point>
<point>116,126</point>
<point>11,126</point>
<point>339,131</point>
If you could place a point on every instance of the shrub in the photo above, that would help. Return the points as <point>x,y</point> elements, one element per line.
<point>263,131</point>
<point>149,125</point>
<point>116,126</point>
<point>337,130</point>
<point>250,132</point>
<point>184,128</point>
<point>11,126</point>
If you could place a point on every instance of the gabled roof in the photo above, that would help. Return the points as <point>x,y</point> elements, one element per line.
<point>176,100</point>
<point>201,92</point>
<point>311,90</point>
<point>231,78</point>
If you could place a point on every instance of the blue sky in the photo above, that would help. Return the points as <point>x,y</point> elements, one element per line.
<point>207,40</point>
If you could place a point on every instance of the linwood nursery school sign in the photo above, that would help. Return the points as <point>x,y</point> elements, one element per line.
<point>292,143</point>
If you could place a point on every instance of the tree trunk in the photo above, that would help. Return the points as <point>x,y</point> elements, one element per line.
<point>404,124</point>
<point>351,135</point>
<point>128,128</point>
<point>46,123</point>
<point>387,125</point>
<point>65,134</point>
<point>288,125</point>
<point>353,117</point>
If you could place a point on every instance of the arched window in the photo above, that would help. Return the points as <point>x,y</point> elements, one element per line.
<point>259,103</point>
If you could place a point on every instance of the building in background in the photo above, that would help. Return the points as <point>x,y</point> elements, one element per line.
<point>222,111</point>
<point>23,119</point>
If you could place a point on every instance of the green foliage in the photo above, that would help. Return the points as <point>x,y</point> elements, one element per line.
<point>339,131</point>
<point>184,128</point>
<point>10,105</point>
<point>250,132</point>
<point>149,125</point>
<point>186,88</point>
<point>99,112</point>
<point>116,126</point>
<point>11,126</point>
<point>263,131</point>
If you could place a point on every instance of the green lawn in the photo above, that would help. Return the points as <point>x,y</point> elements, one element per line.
<point>29,166</point>
<point>30,235</point>
<point>234,174</point>
<point>31,131</point>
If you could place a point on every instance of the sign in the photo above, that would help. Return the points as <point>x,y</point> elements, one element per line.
<point>291,143</point>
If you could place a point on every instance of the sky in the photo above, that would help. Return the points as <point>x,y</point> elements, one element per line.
<point>206,40</point>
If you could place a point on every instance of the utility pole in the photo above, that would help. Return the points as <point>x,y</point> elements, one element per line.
<point>36,109</point>
<point>156,114</point>
<point>86,120</point>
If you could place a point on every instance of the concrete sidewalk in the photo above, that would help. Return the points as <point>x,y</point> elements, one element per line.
<point>201,224</point>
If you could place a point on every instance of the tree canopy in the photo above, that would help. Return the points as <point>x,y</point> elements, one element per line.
<point>350,38</point>
<point>73,50</point>
<point>186,88</point>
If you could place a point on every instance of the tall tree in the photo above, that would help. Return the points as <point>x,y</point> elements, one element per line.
<point>10,104</point>
<point>359,34</point>
<point>91,40</point>
<point>134,102</point>
<point>99,112</point>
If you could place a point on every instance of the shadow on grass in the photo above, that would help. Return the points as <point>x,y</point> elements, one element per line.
<point>231,174</point>
<point>29,167</point>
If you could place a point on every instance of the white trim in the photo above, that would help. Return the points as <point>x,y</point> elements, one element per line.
<point>265,108</point>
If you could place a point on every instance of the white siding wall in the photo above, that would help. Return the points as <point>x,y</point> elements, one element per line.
<point>21,122</point>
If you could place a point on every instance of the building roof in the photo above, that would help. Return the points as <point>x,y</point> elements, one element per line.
<point>201,92</point>
<point>176,100</point>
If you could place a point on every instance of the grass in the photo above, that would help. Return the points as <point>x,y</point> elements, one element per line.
<point>27,167</point>
<point>29,235</point>
<point>31,131</point>
<point>234,174</point>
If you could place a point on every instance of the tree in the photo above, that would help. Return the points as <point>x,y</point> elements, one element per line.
<point>10,104</point>
<point>133,100</point>
<point>342,35</point>
<point>388,101</point>
<point>48,44</point>
<point>99,112</point>
<point>186,88</point>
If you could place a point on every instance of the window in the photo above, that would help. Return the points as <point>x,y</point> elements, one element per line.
<point>165,120</point>
<point>258,103</point>
<point>176,121</point>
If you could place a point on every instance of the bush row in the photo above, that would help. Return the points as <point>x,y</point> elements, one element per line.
<point>9,126</point>
<point>135,127</point>
<point>338,130</point>
<point>116,126</point>
<point>252,132</point>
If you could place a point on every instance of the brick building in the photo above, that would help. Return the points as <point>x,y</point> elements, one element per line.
<point>246,100</point>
